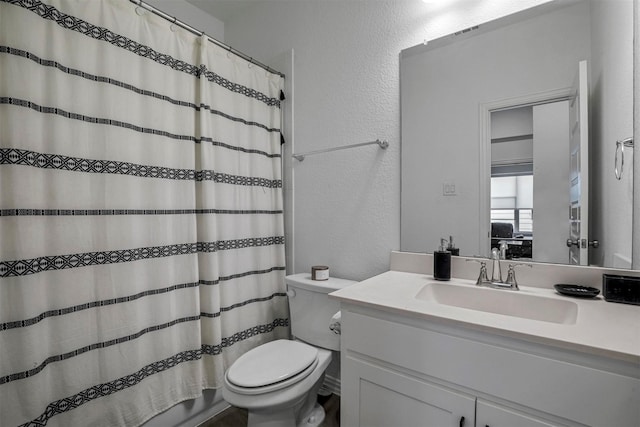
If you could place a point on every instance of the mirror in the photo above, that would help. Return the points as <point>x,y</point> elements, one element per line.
<point>459,94</point>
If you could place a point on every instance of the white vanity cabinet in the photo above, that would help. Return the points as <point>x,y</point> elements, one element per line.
<point>377,396</point>
<point>400,370</point>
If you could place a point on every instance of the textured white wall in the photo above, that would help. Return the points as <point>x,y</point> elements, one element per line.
<point>612,119</point>
<point>192,16</point>
<point>347,204</point>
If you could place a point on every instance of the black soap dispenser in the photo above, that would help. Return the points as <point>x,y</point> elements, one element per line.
<point>452,248</point>
<point>442,262</point>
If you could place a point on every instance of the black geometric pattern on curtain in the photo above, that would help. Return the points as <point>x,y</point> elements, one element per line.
<point>12,156</point>
<point>25,267</point>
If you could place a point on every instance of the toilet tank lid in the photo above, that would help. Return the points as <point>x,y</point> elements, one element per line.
<point>304,281</point>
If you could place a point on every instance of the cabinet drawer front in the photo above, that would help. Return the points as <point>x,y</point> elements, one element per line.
<point>489,414</point>
<point>567,390</point>
<point>383,398</point>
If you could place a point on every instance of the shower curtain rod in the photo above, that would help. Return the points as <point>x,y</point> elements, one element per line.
<point>189,28</point>
<point>300,157</point>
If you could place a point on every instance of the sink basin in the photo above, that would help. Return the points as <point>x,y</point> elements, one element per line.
<point>497,301</point>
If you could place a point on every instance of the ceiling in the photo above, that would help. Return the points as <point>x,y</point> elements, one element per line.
<point>224,10</point>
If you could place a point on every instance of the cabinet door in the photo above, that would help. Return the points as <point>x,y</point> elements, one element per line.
<point>493,415</point>
<point>377,396</point>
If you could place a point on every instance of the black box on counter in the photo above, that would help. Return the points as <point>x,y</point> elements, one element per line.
<point>623,289</point>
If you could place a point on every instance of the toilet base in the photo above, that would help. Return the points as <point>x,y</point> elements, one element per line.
<point>306,413</point>
<point>288,419</point>
<point>271,419</point>
<point>315,417</point>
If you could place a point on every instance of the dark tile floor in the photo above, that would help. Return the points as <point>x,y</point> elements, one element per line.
<point>236,417</point>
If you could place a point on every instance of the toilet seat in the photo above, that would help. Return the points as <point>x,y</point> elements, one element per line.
<point>271,366</point>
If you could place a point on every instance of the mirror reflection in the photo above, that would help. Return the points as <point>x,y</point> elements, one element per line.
<point>509,132</point>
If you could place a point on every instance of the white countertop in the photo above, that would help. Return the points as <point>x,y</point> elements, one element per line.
<point>601,328</point>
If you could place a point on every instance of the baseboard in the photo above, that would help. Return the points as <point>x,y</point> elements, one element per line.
<point>331,384</point>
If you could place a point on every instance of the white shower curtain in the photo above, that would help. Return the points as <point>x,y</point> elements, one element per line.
<point>141,232</point>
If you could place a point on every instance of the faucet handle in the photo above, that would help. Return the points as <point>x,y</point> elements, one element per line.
<point>511,274</point>
<point>483,277</point>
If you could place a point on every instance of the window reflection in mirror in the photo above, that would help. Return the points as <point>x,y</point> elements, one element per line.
<point>512,181</point>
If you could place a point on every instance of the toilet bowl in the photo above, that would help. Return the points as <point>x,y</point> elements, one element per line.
<point>285,399</point>
<point>278,382</point>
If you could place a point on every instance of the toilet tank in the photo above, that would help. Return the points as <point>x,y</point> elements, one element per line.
<point>311,309</point>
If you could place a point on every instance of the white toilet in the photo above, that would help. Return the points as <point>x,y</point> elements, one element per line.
<point>278,382</point>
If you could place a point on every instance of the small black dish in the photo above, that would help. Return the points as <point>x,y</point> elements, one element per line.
<point>577,291</point>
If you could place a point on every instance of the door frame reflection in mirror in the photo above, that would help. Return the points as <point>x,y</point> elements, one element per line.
<point>484,139</point>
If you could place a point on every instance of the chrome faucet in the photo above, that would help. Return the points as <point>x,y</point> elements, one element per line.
<point>496,272</point>
<point>503,249</point>
<point>496,275</point>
